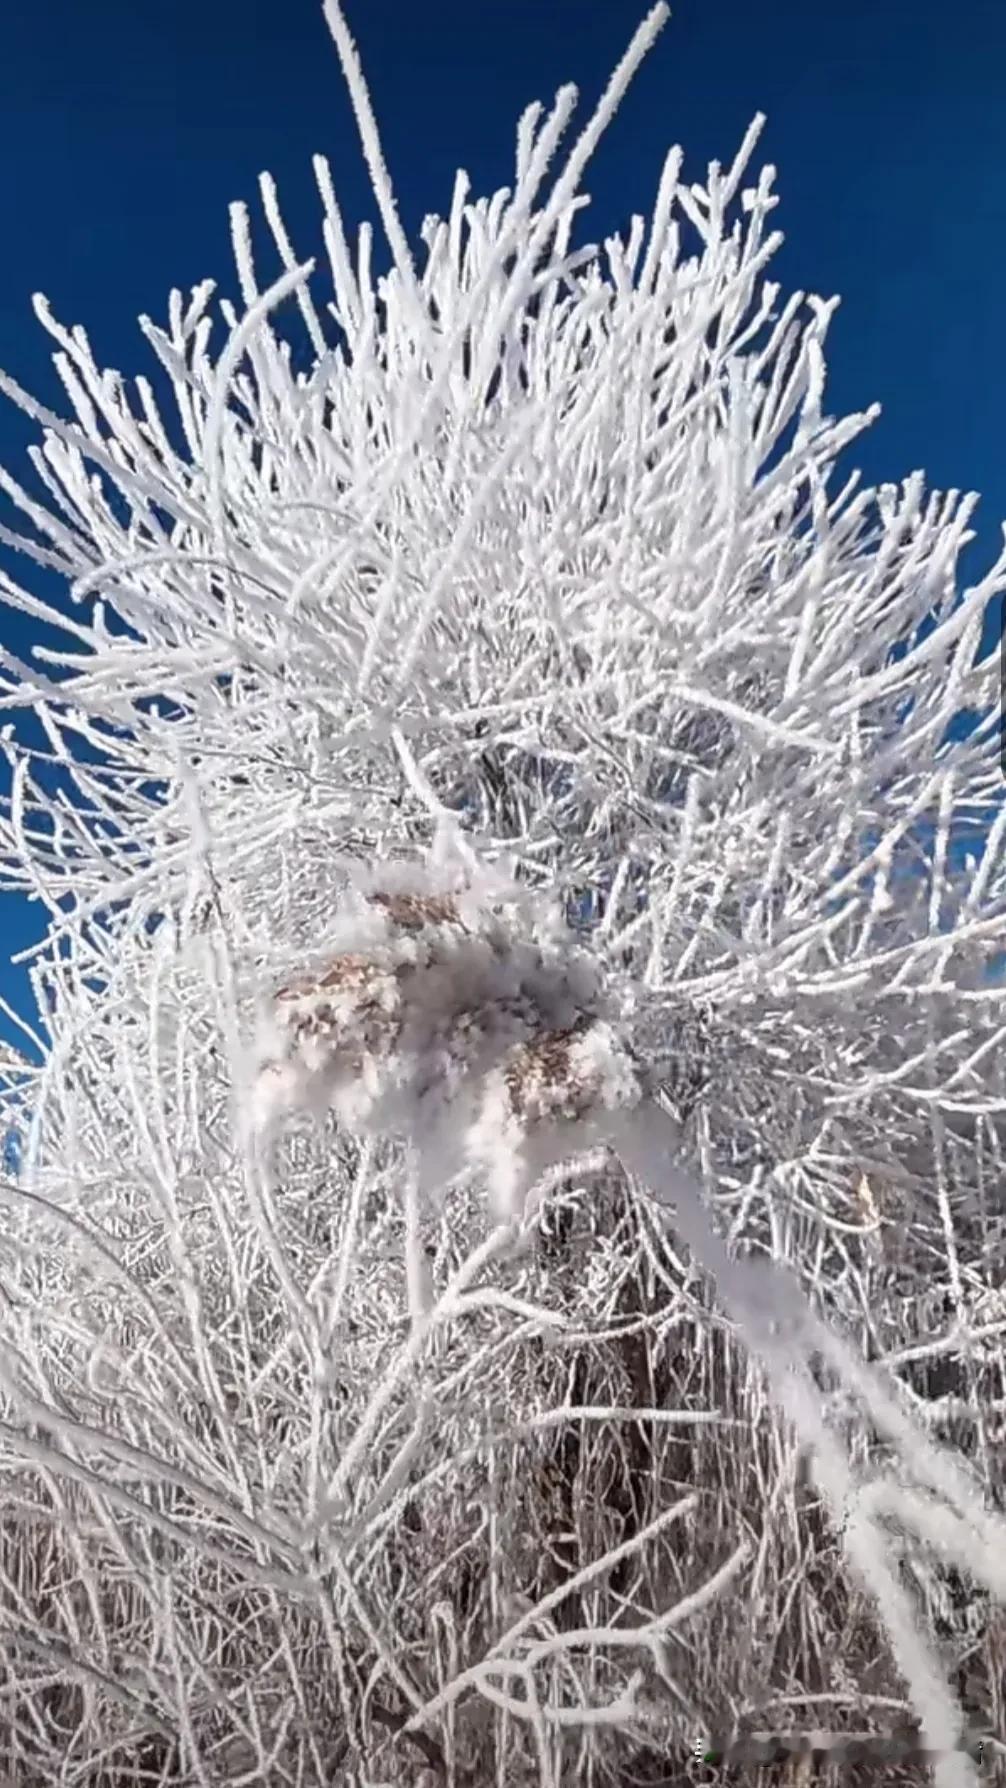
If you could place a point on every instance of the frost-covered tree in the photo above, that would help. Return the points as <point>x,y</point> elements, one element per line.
<point>499,1273</point>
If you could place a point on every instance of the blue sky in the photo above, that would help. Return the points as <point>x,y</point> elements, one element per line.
<point>125,131</point>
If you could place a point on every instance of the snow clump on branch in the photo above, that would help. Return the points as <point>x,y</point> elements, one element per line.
<point>458,1018</point>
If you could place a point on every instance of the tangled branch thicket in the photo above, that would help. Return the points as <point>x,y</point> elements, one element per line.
<point>311,1475</point>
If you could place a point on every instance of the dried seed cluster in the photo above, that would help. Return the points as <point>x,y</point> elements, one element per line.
<point>457,1019</point>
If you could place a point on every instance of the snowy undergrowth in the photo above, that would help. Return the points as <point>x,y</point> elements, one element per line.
<point>311,1474</point>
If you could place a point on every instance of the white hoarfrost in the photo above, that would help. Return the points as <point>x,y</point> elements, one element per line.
<point>494,746</point>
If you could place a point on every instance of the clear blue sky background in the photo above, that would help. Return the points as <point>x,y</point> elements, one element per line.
<point>125,130</point>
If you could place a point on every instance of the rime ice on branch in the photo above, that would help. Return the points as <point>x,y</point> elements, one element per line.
<point>572,520</point>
